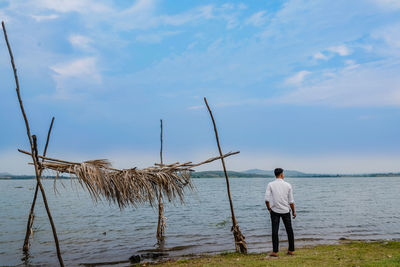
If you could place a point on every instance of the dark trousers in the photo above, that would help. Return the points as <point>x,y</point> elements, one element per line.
<point>275,218</point>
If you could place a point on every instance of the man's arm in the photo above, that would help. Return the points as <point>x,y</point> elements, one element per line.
<point>291,201</point>
<point>268,206</point>
<point>293,211</point>
<point>268,197</point>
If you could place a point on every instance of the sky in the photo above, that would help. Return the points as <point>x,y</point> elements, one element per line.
<point>304,85</point>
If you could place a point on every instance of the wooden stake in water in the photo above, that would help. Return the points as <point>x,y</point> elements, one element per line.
<point>240,243</point>
<point>161,222</point>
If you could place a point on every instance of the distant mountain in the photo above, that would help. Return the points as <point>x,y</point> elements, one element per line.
<point>259,171</point>
<point>232,174</point>
<point>288,173</point>
<point>254,173</point>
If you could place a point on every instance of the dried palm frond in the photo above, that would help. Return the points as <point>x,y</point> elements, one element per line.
<point>128,186</point>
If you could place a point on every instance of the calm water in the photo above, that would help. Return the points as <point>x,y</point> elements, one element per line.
<point>327,209</point>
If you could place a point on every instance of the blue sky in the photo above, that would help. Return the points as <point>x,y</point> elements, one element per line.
<point>306,85</point>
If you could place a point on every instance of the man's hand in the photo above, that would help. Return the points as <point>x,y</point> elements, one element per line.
<point>268,206</point>
<point>293,212</point>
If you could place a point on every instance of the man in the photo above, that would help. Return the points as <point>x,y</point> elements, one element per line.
<point>279,201</point>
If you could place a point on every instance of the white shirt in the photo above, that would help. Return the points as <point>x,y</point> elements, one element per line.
<point>279,194</point>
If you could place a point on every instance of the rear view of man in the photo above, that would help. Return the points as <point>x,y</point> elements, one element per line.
<point>279,201</point>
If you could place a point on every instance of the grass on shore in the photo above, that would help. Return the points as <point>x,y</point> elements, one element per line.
<point>349,253</point>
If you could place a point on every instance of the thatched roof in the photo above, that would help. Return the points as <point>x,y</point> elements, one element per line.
<point>128,186</point>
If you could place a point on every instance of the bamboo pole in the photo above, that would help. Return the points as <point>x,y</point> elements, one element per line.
<point>240,243</point>
<point>161,222</point>
<point>33,144</point>
<point>29,225</point>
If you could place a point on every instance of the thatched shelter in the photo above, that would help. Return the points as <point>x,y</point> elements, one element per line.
<point>128,186</point>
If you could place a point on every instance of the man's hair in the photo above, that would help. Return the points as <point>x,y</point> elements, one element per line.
<point>278,171</point>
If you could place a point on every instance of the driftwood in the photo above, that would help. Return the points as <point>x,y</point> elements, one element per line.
<point>161,219</point>
<point>128,186</point>
<point>33,145</point>
<point>240,243</point>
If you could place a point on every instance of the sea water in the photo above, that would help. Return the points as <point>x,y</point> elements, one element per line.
<point>327,209</point>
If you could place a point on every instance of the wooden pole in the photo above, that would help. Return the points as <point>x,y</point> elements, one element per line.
<point>33,144</point>
<point>29,225</point>
<point>161,222</point>
<point>53,227</point>
<point>240,243</point>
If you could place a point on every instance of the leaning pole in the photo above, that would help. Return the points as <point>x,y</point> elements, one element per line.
<point>240,243</point>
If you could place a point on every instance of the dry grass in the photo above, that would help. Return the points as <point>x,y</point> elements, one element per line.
<point>129,186</point>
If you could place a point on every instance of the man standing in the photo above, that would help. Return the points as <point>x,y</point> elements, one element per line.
<point>279,201</point>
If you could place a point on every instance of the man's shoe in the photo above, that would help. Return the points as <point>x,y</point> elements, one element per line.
<point>290,252</point>
<point>273,254</point>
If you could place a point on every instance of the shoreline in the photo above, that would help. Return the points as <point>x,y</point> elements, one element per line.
<point>345,252</point>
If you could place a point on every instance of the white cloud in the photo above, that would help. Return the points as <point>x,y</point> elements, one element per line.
<point>241,6</point>
<point>80,6</point>
<point>203,12</point>
<point>390,34</point>
<point>195,107</point>
<point>153,38</point>
<point>141,6</point>
<point>320,55</point>
<point>192,45</point>
<point>142,15</point>
<point>257,19</point>
<point>83,67</point>
<point>351,64</point>
<point>44,17</point>
<point>298,78</point>
<point>341,50</point>
<point>375,84</point>
<point>3,17</point>
<point>80,41</point>
<point>76,75</point>
<point>389,5</point>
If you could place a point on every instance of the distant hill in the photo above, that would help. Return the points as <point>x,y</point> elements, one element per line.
<point>288,173</point>
<point>254,173</point>
<point>232,174</point>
